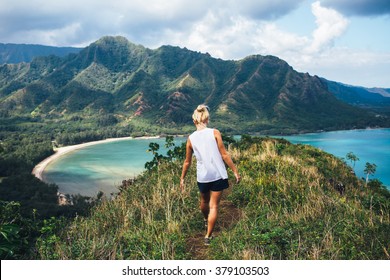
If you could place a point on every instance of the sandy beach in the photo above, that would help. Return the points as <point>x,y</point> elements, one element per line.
<point>40,167</point>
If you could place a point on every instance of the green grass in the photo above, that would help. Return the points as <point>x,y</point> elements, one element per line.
<point>148,220</point>
<point>288,210</point>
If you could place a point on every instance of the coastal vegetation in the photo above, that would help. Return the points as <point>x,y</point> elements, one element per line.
<point>25,201</point>
<point>286,207</point>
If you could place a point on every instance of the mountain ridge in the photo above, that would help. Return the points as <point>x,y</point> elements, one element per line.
<point>377,99</point>
<point>16,53</point>
<point>162,86</point>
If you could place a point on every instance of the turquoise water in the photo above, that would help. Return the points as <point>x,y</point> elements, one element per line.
<point>369,145</point>
<point>102,167</point>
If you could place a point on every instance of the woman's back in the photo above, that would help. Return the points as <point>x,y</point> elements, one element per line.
<point>211,156</point>
<point>209,163</point>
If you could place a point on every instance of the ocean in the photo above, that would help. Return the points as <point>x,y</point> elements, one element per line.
<point>102,167</point>
<point>369,145</point>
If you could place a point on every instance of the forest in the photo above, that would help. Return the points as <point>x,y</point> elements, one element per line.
<point>26,202</point>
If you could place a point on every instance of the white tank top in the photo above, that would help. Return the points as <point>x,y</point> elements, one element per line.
<point>209,163</point>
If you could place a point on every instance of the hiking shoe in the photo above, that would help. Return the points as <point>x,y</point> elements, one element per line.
<point>207,240</point>
<point>205,223</point>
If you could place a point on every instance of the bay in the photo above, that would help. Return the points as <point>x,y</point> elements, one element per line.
<point>369,145</point>
<point>101,167</point>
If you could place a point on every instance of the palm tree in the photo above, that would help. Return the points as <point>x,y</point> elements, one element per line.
<point>353,158</point>
<point>369,169</point>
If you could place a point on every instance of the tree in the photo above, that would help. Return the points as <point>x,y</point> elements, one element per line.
<point>353,158</point>
<point>369,170</point>
<point>153,148</point>
<point>174,152</point>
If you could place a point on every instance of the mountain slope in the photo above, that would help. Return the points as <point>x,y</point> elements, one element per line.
<point>16,53</point>
<point>162,87</point>
<point>377,99</point>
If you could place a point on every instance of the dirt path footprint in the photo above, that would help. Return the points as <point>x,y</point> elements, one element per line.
<point>229,215</point>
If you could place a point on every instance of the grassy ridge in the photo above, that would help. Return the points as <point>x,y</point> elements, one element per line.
<point>293,212</point>
<point>148,220</point>
<point>288,210</point>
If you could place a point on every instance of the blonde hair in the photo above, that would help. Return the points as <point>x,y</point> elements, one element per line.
<point>201,114</point>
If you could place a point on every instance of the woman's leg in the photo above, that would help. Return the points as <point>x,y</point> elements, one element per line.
<point>215,198</point>
<point>204,204</point>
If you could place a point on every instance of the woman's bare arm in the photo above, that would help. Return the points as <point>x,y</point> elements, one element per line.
<point>225,155</point>
<point>187,163</point>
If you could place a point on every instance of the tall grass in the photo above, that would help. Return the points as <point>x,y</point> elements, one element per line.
<point>293,212</point>
<point>288,210</point>
<point>148,220</point>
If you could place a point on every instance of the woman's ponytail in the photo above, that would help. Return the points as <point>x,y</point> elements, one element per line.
<point>201,114</point>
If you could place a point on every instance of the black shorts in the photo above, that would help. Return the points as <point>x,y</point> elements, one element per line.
<point>214,186</point>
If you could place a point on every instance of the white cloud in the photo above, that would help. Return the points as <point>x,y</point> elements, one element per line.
<point>229,40</point>
<point>236,36</point>
<point>330,25</point>
<point>259,10</point>
<point>97,18</point>
<point>60,36</point>
<point>361,68</point>
<point>272,40</point>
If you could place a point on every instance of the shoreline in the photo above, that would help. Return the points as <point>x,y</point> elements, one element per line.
<point>39,169</point>
<point>316,131</point>
<point>59,152</point>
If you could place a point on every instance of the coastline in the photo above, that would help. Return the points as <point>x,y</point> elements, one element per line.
<point>59,152</point>
<point>281,134</point>
<point>39,169</point>
<point>367,154</point>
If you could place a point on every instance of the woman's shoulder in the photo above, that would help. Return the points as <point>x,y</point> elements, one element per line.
<point>216,131</point>
<point>192,134</point>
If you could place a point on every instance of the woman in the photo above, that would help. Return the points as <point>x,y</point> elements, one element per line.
<point>210,153</point>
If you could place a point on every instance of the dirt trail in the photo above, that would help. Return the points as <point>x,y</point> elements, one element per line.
<point>228,216</point>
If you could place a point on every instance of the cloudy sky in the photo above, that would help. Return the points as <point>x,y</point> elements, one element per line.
<point>342,40</point>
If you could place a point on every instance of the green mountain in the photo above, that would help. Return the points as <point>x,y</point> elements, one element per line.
<point>377,99</point>
<point>162,87</point>
<point>16,53</point>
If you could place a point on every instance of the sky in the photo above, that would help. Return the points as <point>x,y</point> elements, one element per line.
<point>347,41</point>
